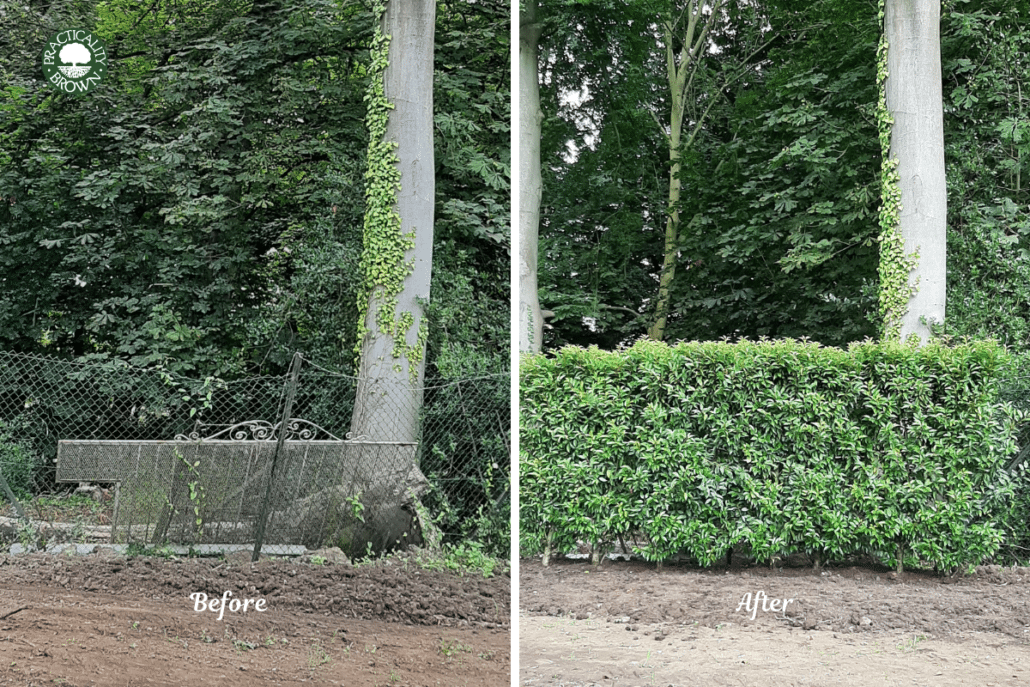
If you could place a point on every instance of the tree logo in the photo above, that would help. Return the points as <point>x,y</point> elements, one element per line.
<point>74,61</point>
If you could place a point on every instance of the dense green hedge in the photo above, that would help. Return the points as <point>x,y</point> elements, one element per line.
<point>779,446</point>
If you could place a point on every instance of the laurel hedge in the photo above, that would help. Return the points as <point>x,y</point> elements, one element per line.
<point>779,447</point>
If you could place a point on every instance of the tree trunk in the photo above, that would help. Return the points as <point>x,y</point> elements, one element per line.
<point>392,363</point>
<point>531,323</point>
<point>681,68</point>
<point>677,80</point>
<point>914,100</point>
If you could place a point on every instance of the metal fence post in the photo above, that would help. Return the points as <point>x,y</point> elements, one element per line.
<point>12,498</point>
<point>291,393</point>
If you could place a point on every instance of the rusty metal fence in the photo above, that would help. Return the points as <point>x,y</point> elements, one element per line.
<point>101,453</point>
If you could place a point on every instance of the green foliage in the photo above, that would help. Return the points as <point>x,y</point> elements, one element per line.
<point>196,492</point>
<point>203,211</point>
<point>472,234</point>
<point>604,175</point>
<point>471,96</point>
<point>1015,547</point>
<point>136,549</point>
<point>202,214</point>
<point>780,446</point>
<point>466,558</point>
<point>783,187</point>
<point>19,463</point>
<point>50,398</point>
<point>156,220</point>
<point>984,48</point>
<point>779,195</point>
<point>471,284</point>
<point>895,265</point>
<point>465,455</point>
<point>782,196</point>
<point>357,508</point>
<point>471,556</point>
<point>383,264</point>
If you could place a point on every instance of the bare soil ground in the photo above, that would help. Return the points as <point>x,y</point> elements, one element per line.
<point>129,621</point>
<point>626,624</point>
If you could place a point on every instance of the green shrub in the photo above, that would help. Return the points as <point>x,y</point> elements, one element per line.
<point>778,446</point>
<point>464,450</point>
<point>19,464</point>
<point>1015,521</point>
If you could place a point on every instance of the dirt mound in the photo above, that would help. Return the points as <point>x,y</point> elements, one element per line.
<point>846,599</point>
<point>90,620</point>
<point>387,593</point>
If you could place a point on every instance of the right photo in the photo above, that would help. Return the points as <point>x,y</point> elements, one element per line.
<point>774,315</point>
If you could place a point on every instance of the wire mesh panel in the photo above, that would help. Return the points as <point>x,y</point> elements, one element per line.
<point>358,496</point>
<point>464,450</point>
<point>354,495</point>
<point>154,488</point>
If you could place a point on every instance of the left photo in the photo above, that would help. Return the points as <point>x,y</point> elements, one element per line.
<point>255,342</point>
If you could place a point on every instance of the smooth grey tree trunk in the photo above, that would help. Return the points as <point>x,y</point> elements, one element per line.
<point>531,324</point>
<point>914,99</point>
<point>389,394</point>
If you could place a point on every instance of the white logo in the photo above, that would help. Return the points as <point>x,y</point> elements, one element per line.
<point>75,54</point>
<point>74,61</point>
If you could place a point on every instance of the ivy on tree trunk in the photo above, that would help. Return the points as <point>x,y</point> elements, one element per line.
<point>914,102</point>
<point>398,231</point>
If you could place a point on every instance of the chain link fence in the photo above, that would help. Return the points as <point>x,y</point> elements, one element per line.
<point>101,453</point>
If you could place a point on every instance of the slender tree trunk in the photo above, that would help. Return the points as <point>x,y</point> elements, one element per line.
<point>677,77</point>
<point>531,324</point>
<point>914,100</point>
<point>392,364</point>
<point>681,68</point>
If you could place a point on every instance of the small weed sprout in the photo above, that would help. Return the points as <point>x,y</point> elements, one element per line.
<point>196,492</point>
<point>357,508</point>
<point>317,656</point>
<point>452,647</point>
<point>242,646</point>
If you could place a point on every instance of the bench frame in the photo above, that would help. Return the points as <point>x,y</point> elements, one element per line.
<point>331,465</point>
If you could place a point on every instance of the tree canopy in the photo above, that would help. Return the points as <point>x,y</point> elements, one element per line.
<point>780,187</point>
<point>202,209</point>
